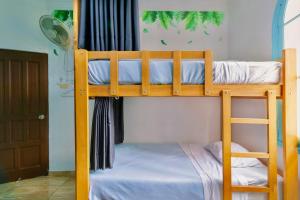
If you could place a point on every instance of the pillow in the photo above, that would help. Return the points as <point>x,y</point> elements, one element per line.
<point>216,150</point>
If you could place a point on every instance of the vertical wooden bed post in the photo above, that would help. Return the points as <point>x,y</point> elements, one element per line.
<point>81,114</point>
<point>82,127</point>
<point>289,135</point>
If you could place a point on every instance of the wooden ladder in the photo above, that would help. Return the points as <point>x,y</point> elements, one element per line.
<point>271,155</point>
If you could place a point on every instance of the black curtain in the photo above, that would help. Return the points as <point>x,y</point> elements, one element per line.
<point>108,25</point>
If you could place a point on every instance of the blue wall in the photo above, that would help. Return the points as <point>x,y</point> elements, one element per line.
<point>277,47</point>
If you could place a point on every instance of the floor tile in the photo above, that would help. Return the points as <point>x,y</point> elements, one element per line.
<point>6,186</point>
<point>45,181</point>
<point>70,182</point>
<point>40,188</point>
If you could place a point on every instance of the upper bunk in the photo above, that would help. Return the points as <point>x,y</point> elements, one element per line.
<point>176,73</point>
<point>179,73</point>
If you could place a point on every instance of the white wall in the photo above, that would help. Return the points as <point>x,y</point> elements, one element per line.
<point>250,29</point>
<point>169,120</point>
<point>19,25</point>
<point>19,21</point>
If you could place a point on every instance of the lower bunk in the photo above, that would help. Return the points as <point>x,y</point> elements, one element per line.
<point>177,172</point>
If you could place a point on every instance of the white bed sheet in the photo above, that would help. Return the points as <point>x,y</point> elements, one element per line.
<point>171,171</point>
<point>209,168</point>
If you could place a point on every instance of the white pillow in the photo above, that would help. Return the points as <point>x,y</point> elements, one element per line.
<point>216,150</point>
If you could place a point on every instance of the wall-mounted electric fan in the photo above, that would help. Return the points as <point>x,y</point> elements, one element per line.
<point>56,31</point>
<point>59,32</point>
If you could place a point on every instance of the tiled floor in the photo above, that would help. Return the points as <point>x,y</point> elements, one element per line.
<point>40,188</point>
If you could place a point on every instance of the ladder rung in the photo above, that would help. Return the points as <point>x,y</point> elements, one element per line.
<point>250,155</point>
<point>250,189</point>
<point>249,121</point>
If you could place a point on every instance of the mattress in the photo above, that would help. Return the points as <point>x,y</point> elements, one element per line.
<point>167,171</point>
<point>161,72</point>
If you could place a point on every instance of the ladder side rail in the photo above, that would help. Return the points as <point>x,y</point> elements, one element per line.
<point>226,138</point>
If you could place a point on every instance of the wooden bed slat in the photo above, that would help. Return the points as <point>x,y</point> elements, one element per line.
<point>249,155</point>
<point>99,55</point>
<point>145,73</point>
<point>93,55</point>
<point>167,90</point>
<point>241,90</point>
<point>169,54</point>
<point>177,73</point>
<point>114,73</point>
<point>250,189</point>
<point>153,54</point>
<point>209,73</point>
<point>192,54</point>
<point>249,121</point>
<point>154,90</point>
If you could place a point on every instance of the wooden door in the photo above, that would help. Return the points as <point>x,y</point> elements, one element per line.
<point>23,115</point>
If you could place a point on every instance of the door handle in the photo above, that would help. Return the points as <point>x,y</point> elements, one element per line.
<point>41,117</point>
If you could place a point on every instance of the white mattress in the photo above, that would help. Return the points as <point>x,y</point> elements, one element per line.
<point>171,171</point>
<point>161,72</point>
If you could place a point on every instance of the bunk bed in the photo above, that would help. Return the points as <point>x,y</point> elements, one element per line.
<point>89,84</point>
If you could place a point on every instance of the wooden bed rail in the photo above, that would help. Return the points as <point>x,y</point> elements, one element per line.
<point>146,88</point>
<point>177,88</point>
<point>152,54</point>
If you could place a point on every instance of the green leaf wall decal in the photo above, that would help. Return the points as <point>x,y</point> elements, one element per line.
<point>149,17</point>
<point>192,19</point>
<point>55,52</point>
<point>205,32</point>
<point>170,14</point>
<point>206,17</point>
<point>165,18</point>
<point>180,15</point>
<point>163,42</point>
<point>218,18</point>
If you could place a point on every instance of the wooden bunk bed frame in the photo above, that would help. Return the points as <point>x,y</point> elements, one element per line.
<point>286,90</point>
